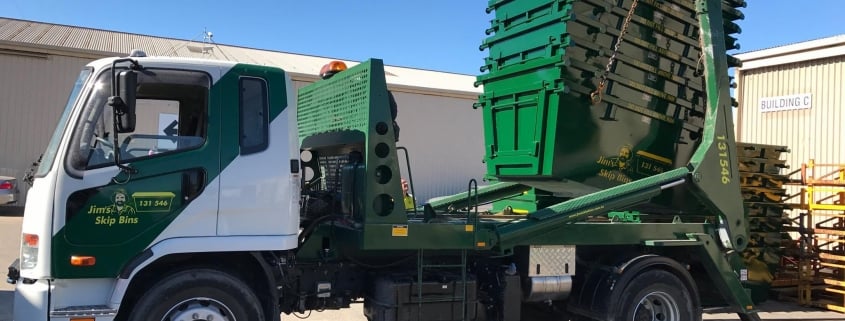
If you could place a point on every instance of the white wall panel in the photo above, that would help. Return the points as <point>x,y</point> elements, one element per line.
<point>445,139</point>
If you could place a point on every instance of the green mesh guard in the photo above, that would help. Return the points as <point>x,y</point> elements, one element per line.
<point>351,112</point>
<point>338,104</point>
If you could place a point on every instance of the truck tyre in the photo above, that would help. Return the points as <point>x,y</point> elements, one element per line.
<point>656,295</point>
<point>198,294</point>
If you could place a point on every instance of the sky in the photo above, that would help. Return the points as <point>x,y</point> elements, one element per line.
<point>441,35</point>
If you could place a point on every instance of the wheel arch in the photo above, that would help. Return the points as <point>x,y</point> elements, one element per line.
<point>182,250</point>
<point>643,263</point>
<point>250,267</point>
<point>598,292</point>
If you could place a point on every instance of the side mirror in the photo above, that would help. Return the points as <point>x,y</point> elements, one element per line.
<point>123,104</point>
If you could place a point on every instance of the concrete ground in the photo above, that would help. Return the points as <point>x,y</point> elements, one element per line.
<point>783,311</point>
<point>10,243</point>
<point>10,224</point>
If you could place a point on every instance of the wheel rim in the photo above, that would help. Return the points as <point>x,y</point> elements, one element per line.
<point>657,306</point>
<point>199,309</point>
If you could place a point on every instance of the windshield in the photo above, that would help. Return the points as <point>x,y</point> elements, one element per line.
<point>53,146</point>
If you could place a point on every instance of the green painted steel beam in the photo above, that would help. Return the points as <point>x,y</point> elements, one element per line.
<point>724,270</point>
<point>598,203</point>
<point>714,164</point>
<point>413,236</point>
<point>485,194</point>
<point>584,234</point>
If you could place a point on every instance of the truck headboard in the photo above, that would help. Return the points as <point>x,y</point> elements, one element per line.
<point>346,126</point>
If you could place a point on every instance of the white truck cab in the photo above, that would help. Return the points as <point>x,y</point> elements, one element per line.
<point>153,160</point>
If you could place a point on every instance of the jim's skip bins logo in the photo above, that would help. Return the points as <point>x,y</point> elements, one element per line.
<point>123,207</point>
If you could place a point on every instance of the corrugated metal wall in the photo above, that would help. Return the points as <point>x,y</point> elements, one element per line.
<point>815,133</point>
<point>445,139</point>
<point>33,94</point>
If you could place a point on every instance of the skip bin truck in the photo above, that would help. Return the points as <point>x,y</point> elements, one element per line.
<point>256,201</point>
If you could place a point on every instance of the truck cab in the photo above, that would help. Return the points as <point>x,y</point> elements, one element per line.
<point>120,187</point>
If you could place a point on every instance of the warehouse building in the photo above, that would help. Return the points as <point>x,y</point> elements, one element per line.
<point>39,62</point>
<point>793,96</point>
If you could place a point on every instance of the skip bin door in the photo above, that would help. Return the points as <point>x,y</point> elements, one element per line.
<point>516,125</point>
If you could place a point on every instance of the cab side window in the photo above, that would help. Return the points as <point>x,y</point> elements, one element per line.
<point>254,107</point>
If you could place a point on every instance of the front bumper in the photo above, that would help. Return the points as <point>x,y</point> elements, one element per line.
<point>14,273</point>
<point>32,297</point>
<point>32,301</point>
<point>61,300</point>
<point>8,199</point>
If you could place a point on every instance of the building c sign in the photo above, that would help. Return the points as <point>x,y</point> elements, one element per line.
<point>781,103</point>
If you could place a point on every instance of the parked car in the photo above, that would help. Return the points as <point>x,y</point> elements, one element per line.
<point>8,190</point>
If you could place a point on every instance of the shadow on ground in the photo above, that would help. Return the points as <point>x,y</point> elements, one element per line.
<point>6,302</point>
<point>11,210</point>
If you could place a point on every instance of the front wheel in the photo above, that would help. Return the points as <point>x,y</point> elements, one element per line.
<point>198,294</point>
<point>657,295</point>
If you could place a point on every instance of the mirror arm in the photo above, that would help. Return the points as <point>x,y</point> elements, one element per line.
<point>116,148</point>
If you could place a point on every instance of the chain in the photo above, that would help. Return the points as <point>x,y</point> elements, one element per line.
<point>700,63</point>
<point>596,96</point>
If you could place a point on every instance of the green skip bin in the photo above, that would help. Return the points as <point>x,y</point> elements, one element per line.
<point>616,94</point>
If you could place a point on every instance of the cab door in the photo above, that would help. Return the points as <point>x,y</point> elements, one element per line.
<point>259,181</point>
<point>172,164</point>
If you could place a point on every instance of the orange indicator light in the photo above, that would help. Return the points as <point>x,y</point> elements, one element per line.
<point>82,260</point>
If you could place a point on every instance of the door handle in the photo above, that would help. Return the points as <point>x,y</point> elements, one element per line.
<point>193,183</point>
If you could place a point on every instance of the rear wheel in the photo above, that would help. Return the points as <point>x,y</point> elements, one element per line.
<point>657,295</point>
<point>199,294</point>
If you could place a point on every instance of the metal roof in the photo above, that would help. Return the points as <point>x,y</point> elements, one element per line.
<point>792,53</point>
<point>92,43</point>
